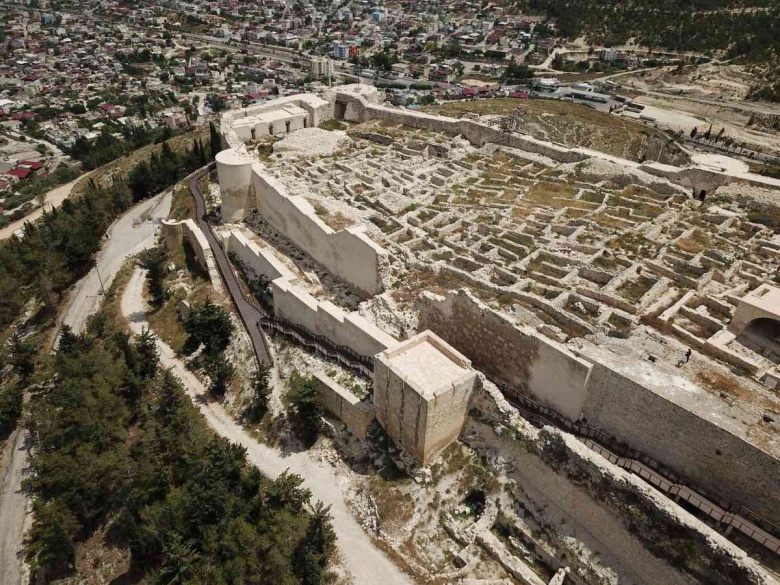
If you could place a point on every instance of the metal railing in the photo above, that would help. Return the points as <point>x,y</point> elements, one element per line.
<point>737,516</point>
<point>361,365</point>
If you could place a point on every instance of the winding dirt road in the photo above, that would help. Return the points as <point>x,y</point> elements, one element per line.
<point>126,237</point>
<point>54,199</point>
<point>364,561</point>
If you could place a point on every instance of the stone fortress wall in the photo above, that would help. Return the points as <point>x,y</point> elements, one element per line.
<point>348,254</point>
<point>587,386</point>
<point>294,303</point>
<point>352,105</point>
<point>356,414</point>
<point>571,384</point>
<point>175,233</point>
<point>515,355</point>
<point>422,388</point>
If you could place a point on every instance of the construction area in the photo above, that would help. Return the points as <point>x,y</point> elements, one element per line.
<point>573,357</point>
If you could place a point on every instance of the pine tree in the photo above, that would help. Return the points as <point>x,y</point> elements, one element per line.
<point>261,393</point>
<point>221,373</point>
<point>202,152</point>
<point>313,554</point>
<point>22,357</point>
<point>216,141</point>
<point>147,357</point>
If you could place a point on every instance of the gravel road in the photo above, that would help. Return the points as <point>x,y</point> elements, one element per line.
<point>125,239</point>
<point>54,198</point>
<point>365,563</point>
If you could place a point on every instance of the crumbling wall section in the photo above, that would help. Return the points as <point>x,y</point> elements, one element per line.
<point>349,254</point>
<point>475,132</point>
<point>352,330</point>
<point>356,414</point>
<point>175,233</point>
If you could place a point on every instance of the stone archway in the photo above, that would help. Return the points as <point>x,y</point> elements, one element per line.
<point>340,110</point>
<point>762,336</point>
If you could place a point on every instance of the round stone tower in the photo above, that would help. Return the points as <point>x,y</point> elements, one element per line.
<point>234,168</point>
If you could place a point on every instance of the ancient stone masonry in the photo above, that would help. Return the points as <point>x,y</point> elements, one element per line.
<point>177,232</point>
<point>422,389</point>
<point>574,279</point>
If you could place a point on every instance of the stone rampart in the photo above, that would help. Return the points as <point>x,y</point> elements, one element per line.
<point>348,254</point>
<point>294,303</point>
<point>724,464</point>
<point>175,233</point>
<point>356,414</point>
<point>324,318</point>
<point>475,132</point>
<point>554,469</point>
<point>518,356</point>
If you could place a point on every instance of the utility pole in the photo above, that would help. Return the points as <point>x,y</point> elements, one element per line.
<point>100,279</point>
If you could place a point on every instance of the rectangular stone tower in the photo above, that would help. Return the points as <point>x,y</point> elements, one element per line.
<point>422,388</point>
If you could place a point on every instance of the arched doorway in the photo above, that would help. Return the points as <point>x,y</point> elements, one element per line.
<point>763,337</point>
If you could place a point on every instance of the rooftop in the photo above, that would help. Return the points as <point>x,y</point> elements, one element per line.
<point>427,363</point>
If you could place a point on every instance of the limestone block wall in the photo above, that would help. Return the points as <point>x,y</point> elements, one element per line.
<point>356,414</point>
<point>420,424</point>
<point>294,303</point>
<point>234,168</point>
<point>721,462</point>
<point>262,261</point>
<point>324,318</point>
<point>565,477</point>
<point>422,418</point>
<point>348,254</point>
<point>475,132</point>
<point>317,110</point>
<point>516,355</point>
<point>176,232</point>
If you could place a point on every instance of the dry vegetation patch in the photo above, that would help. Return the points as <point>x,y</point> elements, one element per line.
<point>575,125</point>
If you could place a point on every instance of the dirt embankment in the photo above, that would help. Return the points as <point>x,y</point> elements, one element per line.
<point>576,125</point>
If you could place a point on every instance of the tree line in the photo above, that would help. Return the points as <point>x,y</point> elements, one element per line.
<point>58,249</point>
<point>120,448</point>
<point>742,28</point>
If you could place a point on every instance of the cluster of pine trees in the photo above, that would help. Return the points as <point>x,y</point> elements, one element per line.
<point>108,147</point>
<point>743,28</point>
<point>122,450</point>
<point>58,249</point>
<point>165,169</point>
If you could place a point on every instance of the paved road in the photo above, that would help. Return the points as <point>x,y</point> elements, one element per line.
<point>366,564</point>
<point>54,199</point>
<point>249,315</point>
<point>125,239</point>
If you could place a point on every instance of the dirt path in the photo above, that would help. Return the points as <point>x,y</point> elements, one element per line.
<point>13,510</point>
<point>54,199</point>
<point>365,563</point>
<point>126,237</point>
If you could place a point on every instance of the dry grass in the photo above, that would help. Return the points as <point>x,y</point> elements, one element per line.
<point>575,125</point>
<point>112,308</point>
<point>119,168</point>
<point>723,382</point>
<point>337,220</point>
<point>182,203</point>
<point>695,243</point>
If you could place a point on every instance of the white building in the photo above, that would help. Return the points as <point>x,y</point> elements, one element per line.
<point>321,67</point>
